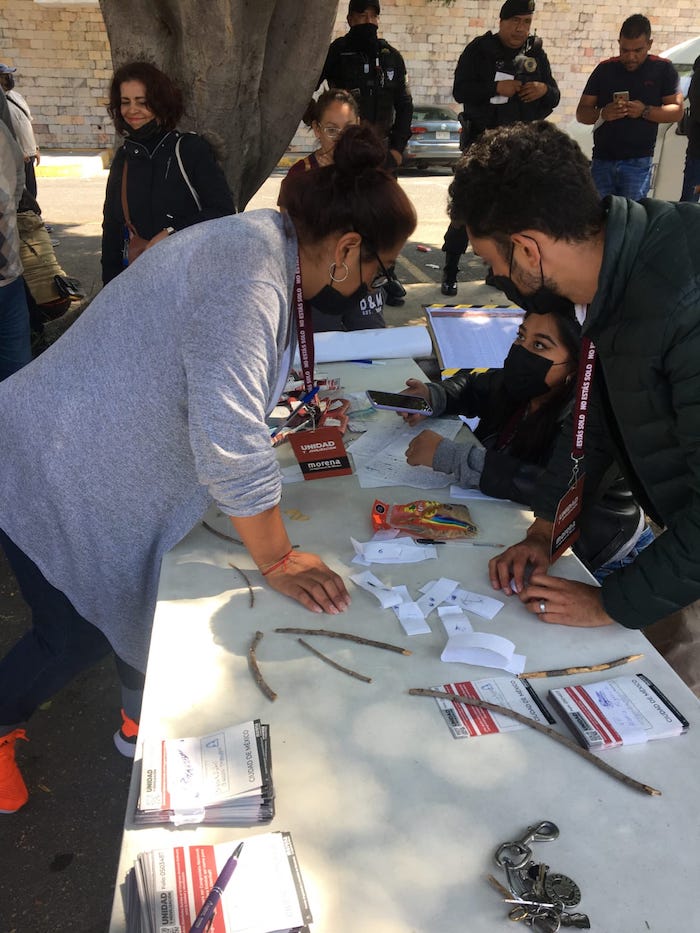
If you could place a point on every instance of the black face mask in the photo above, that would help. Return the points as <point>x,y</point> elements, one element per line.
<point>543,301</point>
<point>144,133</point>
<point>524,374</point>
<point>363,36</point>
<point>331,301</point>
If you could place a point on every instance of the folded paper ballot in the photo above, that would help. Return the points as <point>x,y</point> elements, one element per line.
<point>224,777</point>
<point>512,693</point>
<point>166,888</point>
<point>626,710</point>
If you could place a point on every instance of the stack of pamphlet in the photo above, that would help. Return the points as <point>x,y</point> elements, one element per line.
<point>511,692</point>
<point>624,711</point>
<point>224,778</point>
<point>166,888</point>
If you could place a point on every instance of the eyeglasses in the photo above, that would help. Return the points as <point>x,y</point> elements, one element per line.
<point>383,276</point>
<point>332,132</point>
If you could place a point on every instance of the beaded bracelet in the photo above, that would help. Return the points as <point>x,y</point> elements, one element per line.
<point>278,563</point>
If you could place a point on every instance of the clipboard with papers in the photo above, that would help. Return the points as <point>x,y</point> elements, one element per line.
<point>472,336</point>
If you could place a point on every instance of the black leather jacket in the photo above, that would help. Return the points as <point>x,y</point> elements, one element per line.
<point>475,85</point>
<point>610,516</point>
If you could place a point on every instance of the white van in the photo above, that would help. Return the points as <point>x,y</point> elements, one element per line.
<point>669,154</point>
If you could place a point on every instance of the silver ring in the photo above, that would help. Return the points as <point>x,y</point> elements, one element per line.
<point>543,606</point>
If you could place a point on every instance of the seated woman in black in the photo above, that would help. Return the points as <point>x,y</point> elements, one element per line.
<point>520,409</point>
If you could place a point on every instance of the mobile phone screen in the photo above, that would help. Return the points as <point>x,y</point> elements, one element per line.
<point>621,96</point>
<point>394,401</point>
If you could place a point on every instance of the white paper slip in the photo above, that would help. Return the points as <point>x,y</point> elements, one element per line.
<point>398,551</point>
<point>461,492</point>
<point>454,620</point>
<point>465,721</point>
<point>435,593</point>
<point>626,710</point>
<point>500,98</point>
<point>386,595</point>
<point>485,606</point>
<point>485,650</point>
<point>412,619</point>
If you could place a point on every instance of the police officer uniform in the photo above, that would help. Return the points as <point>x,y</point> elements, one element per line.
<point>483,63</point>
<point>375,74</point>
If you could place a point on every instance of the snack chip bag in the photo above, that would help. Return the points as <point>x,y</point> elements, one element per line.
<point>425,518</point>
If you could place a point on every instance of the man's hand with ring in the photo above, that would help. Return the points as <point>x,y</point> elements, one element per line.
<point>565,602</point>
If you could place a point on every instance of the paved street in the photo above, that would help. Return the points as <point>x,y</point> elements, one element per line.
<point>65,842</point>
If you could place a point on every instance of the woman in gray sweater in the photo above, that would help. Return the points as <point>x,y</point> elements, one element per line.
<point>153,406</point>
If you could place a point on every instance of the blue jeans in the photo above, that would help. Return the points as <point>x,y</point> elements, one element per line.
<point>60,644</point>
<point>691,179</point>
<point>629,178</point>
<point>15,342</point>
<point>644,540</point>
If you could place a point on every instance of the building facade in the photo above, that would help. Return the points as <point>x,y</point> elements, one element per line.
<point>64,65</point>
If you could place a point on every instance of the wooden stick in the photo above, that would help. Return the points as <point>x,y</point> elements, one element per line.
<point>586,669</point>
<point>338,667</point>
<point>504,711</point>
<point>220,534</point>
<point>245,577</point>
<point>355,638</point>
<point>253,662</point>
<point>496,884</point>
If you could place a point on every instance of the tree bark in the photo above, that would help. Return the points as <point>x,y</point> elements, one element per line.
<point>247,70</point>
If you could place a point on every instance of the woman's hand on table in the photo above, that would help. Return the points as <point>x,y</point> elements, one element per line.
<point>417,389</point>
<point>421,450</point>
<point>565,602</point>
<point>305,578</point>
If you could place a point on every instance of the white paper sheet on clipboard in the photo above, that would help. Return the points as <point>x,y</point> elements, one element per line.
<point>472,336</point>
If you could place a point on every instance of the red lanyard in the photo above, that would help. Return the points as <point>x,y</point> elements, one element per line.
<point>586,367</point>
<point>305,332</point>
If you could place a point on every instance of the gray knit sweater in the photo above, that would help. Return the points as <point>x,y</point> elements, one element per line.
<point>150,407</point>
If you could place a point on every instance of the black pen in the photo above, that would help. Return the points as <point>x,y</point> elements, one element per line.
<point>214,896</point>
<point>472,543</point>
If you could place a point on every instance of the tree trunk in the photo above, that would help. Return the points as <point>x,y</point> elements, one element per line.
<point>247,70</point>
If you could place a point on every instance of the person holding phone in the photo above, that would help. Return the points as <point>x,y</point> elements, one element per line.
<point>521,408</point>
<point>625,99</point>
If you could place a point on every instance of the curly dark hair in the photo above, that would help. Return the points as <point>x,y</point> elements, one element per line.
<point>355,193</point>
<point>163,96</point>
<point>525,176</point>
<point>316,108</point>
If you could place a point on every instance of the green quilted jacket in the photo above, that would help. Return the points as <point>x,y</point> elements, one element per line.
<point>645,407</point>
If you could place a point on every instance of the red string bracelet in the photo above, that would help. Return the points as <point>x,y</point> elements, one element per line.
<point>278,563</point>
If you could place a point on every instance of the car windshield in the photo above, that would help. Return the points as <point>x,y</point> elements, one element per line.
<point>432,113</point>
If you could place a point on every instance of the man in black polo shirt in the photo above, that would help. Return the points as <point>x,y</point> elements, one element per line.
<point>625,99</point>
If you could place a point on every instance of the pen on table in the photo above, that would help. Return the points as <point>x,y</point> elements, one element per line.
<point>214,896</point>
<point>304,400</point>
<point>471,543</point>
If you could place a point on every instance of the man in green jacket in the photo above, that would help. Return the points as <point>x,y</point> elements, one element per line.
<point>633,271</point>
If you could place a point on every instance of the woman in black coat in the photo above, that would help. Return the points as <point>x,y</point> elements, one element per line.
<point>164,180</point>
<point>520,409</point>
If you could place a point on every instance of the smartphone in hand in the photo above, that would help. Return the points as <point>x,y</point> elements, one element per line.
<point>621,97</point>
<point>394,401</point>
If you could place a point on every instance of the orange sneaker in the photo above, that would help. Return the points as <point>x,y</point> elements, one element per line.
<point>125,738</point>
<point>13,790</point>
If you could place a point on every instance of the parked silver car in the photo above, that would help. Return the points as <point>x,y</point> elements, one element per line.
<point>669,154</point>
<point>435,132</point>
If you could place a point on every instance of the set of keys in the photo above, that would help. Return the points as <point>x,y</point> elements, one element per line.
<point>542,899</point>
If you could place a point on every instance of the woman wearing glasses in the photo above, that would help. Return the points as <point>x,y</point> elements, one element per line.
<point>328,117</point>
<point>187,351</point>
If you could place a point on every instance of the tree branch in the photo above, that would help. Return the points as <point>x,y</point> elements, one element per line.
<point>546,730</point>
<point>253,662</point>
<point>356,638</point>
<point>338,667</point>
